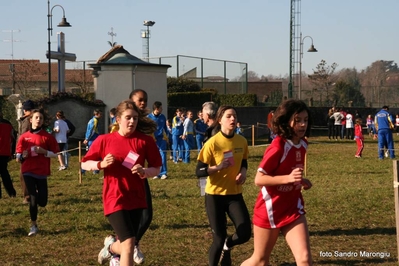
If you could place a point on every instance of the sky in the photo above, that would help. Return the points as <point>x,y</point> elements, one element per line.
<point>351,33</point>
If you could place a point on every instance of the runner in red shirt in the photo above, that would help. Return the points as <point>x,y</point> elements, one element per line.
<point>124,154</point>
<point>280,206</point>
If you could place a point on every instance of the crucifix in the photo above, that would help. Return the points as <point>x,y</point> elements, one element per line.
<point>61,56</point>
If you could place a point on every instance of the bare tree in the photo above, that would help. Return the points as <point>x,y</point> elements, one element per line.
<point>374,81</point>
<point>80,78</point>
<point>323,77</point>
<point>28,75</point>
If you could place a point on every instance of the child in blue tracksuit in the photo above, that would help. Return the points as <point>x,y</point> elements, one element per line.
<point>177,132</point>
<point>92,132</point>
<point>188,136</point>
<point>200,129</point>
<point>160,136</point>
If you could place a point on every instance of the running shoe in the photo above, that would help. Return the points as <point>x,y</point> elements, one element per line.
<point>105,254</point>
<point>33,230</point>
<point>114,261</point>
<point>138,256</point>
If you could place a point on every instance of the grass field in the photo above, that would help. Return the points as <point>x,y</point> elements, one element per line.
<point>350,211</point>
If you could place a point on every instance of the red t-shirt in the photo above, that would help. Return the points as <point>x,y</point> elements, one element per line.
<point>280,205</point>
<point>40,164</point>
<point>123,190</point>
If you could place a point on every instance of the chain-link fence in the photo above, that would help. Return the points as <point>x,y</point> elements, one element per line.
<point>225,76</point>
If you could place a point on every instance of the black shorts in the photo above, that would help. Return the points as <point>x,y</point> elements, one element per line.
<point>61,146</point>
<point>125,223</point>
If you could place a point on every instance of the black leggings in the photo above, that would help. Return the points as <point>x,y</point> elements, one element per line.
<point>216,208</point>
<point>5,177</point>
<point>146,214</point>
<point>38,192</point>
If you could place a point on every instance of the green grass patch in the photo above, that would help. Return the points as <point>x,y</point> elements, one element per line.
<point>349,209</point>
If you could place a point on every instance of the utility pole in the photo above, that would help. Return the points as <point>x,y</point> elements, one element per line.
<point>12,66</point>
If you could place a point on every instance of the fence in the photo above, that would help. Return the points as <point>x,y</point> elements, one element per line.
<point>208,72</point>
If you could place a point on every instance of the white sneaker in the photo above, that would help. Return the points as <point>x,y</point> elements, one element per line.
<point>33,230</point>
<point>114,261</point>
<point>105,254</point>
<point>138,256</point>
<point>386,153</point>
<point>62,167</point>
<point>155,177</point>
<point>164,176</point>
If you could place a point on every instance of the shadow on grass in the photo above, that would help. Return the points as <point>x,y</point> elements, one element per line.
<point>184,226</point>
<point>355,231</point>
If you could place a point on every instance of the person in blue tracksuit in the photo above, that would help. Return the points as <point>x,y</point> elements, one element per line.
<point>384,125</point>
<point>188,136</point>
<point>177,132</point>
<point>160,136</point>
<point>200,129</point>
<point>92,132</point>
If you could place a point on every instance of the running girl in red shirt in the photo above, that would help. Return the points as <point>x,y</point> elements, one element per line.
<point>34,150</point>
<point>279,207</point>
<point>124,154</point>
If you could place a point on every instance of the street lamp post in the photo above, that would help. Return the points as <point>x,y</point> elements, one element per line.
<point>146,35</point>
<point>311,49</point>
<point>63,23</point>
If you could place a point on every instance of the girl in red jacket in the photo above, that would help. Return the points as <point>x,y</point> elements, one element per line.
<point>359,138</point>
<point>34,150</point>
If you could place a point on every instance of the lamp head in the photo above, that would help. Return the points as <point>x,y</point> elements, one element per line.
<point>148,23</point>
<point>64,23</point>
<point>312,49</point>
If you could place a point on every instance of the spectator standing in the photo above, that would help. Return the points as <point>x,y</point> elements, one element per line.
<point>34,150</point>
<point>92,128</point>
<point>61,130</point>
<point>209,110</point>
<point>397,125</point>
<point>384,125</point>
<point>160,136</point>
<point>359,138</point>
<point>188,136</point>
<point>330,123</point>
<point>112,117</point>
<point>343,124</point>
<point>349,126</point>
<point>223,160</point>
<point>177,132</point>
<point>200,129</point>
<point>92,132</point>
<point>7,147</point>
<point>239,129</point>
<point>69,134</point>
<point>169,127</point>
<point>370,125</point>
<point>27,108</point>
<point>122,155</point>
<point>338,117</point>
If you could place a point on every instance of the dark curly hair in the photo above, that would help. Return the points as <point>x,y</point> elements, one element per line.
<point>283,114</point>
<point>145,124</point>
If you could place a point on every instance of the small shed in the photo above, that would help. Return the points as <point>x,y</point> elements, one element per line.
<point>117,73</point>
